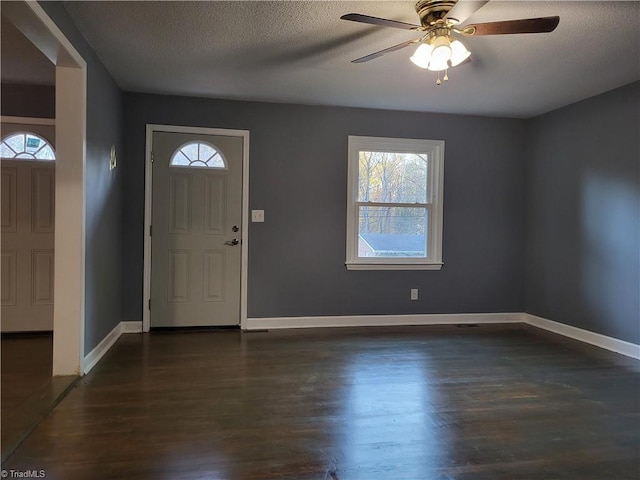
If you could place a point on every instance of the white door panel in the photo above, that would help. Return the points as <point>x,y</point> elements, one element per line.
<point>9,199</point>
<point>28,224</point>
<point>195,267</point>
<point>42,200</point>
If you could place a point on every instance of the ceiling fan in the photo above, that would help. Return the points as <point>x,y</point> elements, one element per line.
<point>438,49</point>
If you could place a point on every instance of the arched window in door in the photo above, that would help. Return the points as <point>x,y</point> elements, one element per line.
<point>198,154</point>
<point>26,146</point>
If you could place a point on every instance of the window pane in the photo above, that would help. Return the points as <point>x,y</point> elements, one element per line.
<point>179,159</point>
<point>46,154</point>
<point>33,144</point>
<point>197,154</point>
<point>216,161</point>
<point>26,146</point>
<point>392,177</point>
<point>16,142</point>
<point>392,232</point>
<point>190,151</point>
<point>206,152</point>
<point>6,152</point>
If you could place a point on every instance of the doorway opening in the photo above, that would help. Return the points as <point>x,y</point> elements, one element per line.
<point>66,285</point>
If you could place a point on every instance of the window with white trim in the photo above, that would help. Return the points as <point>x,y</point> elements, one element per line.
<point>26,146</point>
<point>199,155</point>
<point>394,204</point>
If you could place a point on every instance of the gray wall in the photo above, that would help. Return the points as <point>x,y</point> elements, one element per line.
<point>583,215</point>
<point>298,175</point>
<point>21,100</point>
<point>578,165</point>
<point>103,188</point>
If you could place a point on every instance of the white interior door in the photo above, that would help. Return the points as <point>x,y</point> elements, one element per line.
<point>28,223</point>
<point>196,230</point>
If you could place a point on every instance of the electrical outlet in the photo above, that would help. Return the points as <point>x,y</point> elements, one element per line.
<point>257,215</point>
<point>414,294</point>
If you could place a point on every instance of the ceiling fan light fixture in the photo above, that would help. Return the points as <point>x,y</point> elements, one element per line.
<point>438,66</point>
<point>459,53</point>
<point>441,50</point>
<point>422,55</point>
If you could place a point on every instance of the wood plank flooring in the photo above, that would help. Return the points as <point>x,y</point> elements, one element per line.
<point>412,403</point>
<point>26,367</point>
<point>29,392</point>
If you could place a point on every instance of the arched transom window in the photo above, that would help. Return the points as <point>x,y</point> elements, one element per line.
<point>198,154</point>
<point>27,146</point>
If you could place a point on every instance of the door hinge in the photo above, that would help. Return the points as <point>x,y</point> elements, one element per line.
<point>151,156</point>
<point>149,304</point>
<point>150,230</point>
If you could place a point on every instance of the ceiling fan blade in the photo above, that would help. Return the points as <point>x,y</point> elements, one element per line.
<point>529,25</point>
<point>382,22</point>
<point>464,9</point>
<point>382,52</point>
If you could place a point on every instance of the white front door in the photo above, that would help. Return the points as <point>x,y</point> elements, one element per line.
<point>196,230</point>
<point>28,223</point>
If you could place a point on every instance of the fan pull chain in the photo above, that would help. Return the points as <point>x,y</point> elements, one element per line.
<point>445,78</point>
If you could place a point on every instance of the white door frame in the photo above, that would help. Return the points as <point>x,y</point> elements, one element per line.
<point>71,124</point>
<point>148,182</point>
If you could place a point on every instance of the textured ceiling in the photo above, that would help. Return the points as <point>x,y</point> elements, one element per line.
<point>300,52</point>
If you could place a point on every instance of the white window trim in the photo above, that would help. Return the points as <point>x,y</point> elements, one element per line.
<point>435,151</point>
<point>27,120</point>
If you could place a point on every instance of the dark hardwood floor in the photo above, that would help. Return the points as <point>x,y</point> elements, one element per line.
<point>420,403</point>
<point>26,366</point>
<point>28,390</point>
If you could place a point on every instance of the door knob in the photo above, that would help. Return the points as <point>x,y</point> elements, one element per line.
<point>233,242</point>
<point>235,228</point>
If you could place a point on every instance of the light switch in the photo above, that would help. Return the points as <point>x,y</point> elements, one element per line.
<point>257,215</point>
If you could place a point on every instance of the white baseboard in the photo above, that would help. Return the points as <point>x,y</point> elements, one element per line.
<point>609,343</point>
<point>94,356</point>
<point>379,320</point>
<point>131,327</point>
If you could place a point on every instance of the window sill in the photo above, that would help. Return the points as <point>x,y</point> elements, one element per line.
<point>393,266</point>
